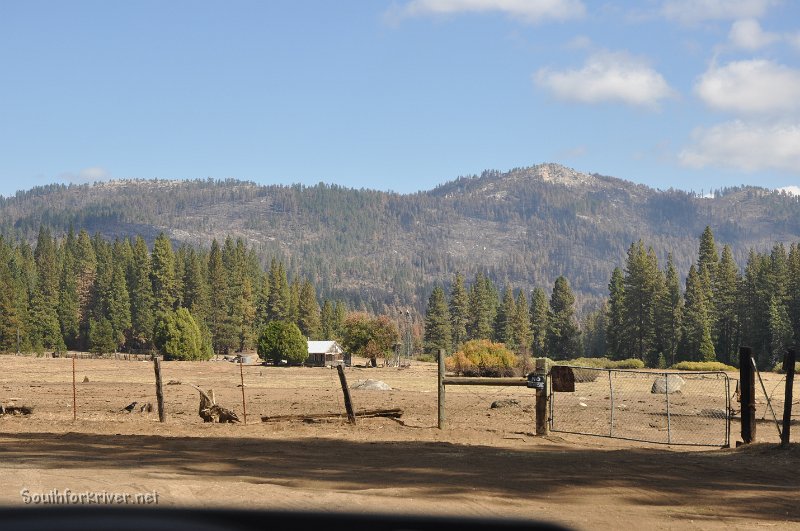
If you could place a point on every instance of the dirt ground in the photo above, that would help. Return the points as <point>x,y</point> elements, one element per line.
<point>486,462</point>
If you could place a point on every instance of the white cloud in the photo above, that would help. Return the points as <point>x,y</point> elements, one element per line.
<point>695,11</point>
<point>607,76</point>
<point>751,87</point>
<point>528,10</point>
<point>791,190</point>
<point>745,146</point>
<point>86,175</point>
<point>748,35</point>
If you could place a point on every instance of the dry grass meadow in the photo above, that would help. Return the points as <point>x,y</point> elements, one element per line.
<point>486,462</point>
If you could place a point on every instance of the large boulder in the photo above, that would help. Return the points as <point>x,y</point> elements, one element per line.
<point>671,384</point>
<point>371,385</point>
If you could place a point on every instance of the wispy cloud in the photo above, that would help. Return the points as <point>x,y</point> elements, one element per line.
<point>527,10</point>
<point>751,87</point>
<point>747,34</point>
<point>607,77</point>
<point>791,190</point>
<point>86,175</point>
<point>745,146</point>
<point>696,11</point>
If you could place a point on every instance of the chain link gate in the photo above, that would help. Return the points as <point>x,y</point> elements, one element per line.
<point>678,408</point>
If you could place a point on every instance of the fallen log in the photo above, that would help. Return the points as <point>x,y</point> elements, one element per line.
<point>369,413</point>
<point>15,410</point>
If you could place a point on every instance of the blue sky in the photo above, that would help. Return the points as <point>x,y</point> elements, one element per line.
<point>399,94</point>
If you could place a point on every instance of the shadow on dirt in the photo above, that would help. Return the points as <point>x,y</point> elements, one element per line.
<point>759,482</point>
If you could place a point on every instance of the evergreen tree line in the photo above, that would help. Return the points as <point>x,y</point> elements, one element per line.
<point>87,293</point>
<point>721,307</point>
<point>648,315</point>
<point>543,327</point>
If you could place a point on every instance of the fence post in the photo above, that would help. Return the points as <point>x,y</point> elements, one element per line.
<point>441,416</point>
<point>162,415</point>
<point>542,399</point>
<point>788,366</point>
<point>74,393</point>
<point>348,404</point>
<point>244,403</point>
<point>747,394</point>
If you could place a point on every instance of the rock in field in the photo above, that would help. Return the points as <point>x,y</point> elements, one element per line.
<point>507,402</point>
<point>671,384</point>
<point>371,385</point>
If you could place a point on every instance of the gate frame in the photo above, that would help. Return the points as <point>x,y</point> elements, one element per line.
<point>664,374</point>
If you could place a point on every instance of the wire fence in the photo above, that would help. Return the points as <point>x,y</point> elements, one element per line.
<point>634,405</point>
<point>490,408</point>
<point>676,408</point>
<point>122,389</point>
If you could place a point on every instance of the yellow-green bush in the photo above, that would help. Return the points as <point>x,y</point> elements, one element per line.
<point>482,357</point>
<point>703,366</point>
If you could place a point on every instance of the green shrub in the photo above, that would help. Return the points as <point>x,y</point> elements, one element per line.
<point>282,341</point>
<point>482,357</point>
<point>178,337</point>
<point>779,368</point>
<point>427,358</point>
<point>703,366</point>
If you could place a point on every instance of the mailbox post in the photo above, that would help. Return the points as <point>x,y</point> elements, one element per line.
<point>538,380</point>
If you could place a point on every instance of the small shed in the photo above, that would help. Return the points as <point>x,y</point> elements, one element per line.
<point>324,353</point>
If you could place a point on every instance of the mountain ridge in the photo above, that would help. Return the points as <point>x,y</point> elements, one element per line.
<point>381,249</point>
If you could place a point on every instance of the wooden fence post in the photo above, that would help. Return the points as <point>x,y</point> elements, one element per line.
<point>441,415</point>
<point>542,400</point>
<point>747,394</point>
<point>788,367</point>
<point>74,393</point>
<point>348,404</point>
<point>244,403</point>
<point>162,415</point>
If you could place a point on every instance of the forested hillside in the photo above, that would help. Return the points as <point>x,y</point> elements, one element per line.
<point>382,250</point>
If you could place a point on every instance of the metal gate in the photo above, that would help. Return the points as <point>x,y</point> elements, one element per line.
<point>679,408</point>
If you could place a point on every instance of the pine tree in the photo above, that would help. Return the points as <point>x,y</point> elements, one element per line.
<point>697,344</point>
<point>326,320</point>
<point>483,308</point>
<point>278,301</point>
<point>308,311</point>
<point>118,305</point>
<point>459,312</point>
<point>521,325</point>
<point>503,330</point>
<point>726,325</point>
<point>669,313</point>
<point>437,323</point>
<point>615,329</point>
<point>539,322</point>
<point>68,304</point>
<point>641,285</point>
<point>594,333</point>
<point>707,263</point>
<point>195,285</point>
<point>780,330</point>
<point>794,288</point>
<point>86,270</point>
<point>563,336</point>
<point>222,333</point>
<point>162,274</point>
<point>10,322</point>
<point>45,327</point>
<point>140,290</point>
